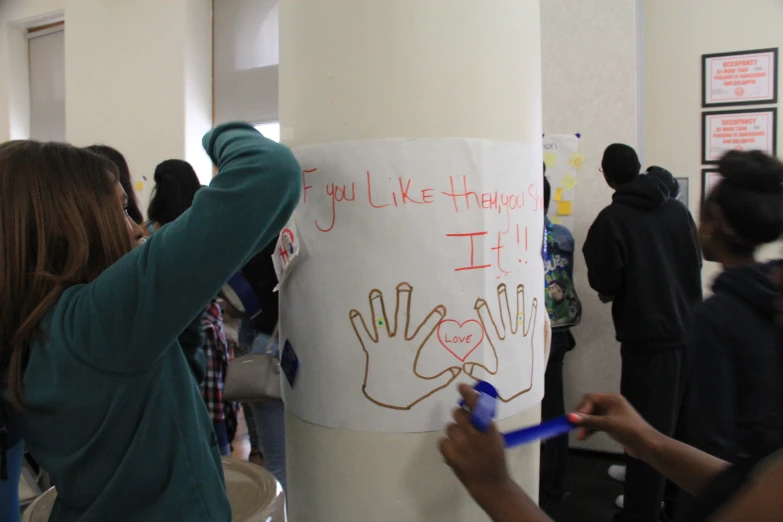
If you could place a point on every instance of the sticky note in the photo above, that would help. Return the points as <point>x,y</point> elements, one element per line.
<point>577,160</point>
<point>139,185</point>
<point>550,159</point>
<point>568,182</point>
<point>559,194</point>
<point>563,208</point>
<point>556,220</point>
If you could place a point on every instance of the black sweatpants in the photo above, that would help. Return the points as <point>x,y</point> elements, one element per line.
<point>554,452</point>
<point>651,382</point>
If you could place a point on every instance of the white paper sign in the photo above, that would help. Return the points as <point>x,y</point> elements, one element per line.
<point>740,78</point>
<point>563,163</point>
<point>422,269</point>
<point>738,130</point>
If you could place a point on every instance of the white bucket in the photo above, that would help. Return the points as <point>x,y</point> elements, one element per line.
<point>254,494</point>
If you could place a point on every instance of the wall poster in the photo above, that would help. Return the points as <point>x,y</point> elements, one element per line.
<point>420,267</point>
<point>723,131</point>
<point>710,178</point>
<point>740,78</point>
<point>563,162</point>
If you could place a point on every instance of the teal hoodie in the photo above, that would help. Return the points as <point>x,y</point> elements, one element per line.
<point>112,411</point>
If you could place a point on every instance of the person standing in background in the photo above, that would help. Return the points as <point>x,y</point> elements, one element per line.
<point>217,355</point>
<point>735,338</point>
<point>565,311</point>
<point>642,256</point>
<point>118,159</point>
<point>258,336</point>
<point>176,184</point>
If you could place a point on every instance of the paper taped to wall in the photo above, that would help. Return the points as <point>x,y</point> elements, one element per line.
<point>422,269</point>
<point>562,175</point>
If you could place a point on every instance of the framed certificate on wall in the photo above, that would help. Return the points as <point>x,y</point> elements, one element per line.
<point>740,78</point>
<point>723,131</point>
<point>709,178</point>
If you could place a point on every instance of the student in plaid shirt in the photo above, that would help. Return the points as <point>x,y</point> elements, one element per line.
<point>217,354</point>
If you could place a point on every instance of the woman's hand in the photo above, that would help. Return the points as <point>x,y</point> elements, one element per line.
<point>613,415</point>
<point>478,459</point>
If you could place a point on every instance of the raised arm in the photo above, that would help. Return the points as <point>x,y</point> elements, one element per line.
<point>138,307</point>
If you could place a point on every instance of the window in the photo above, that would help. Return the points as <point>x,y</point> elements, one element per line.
<point>270,130</point>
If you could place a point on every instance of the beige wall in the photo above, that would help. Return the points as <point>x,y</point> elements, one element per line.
<point>589,55</point>
<point>138,78</point>
<point>15,17</point>
<point>676,34</point>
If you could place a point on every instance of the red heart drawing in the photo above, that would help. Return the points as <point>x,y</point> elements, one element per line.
<point>460,339</point>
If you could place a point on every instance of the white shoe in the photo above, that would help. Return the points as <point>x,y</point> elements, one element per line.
<point>617,472</point>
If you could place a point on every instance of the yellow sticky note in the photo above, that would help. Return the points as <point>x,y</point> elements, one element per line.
<point>563,208</point>
<point>556,220</point>
<point>550,159</point>
<point>568,182</point>
<point>559,194</point>
<point>139,185</point>
<point>577,160</point>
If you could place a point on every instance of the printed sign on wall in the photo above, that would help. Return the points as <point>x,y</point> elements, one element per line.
<point>738,130</point>
<point>740,78</point>
<point>710,179</point>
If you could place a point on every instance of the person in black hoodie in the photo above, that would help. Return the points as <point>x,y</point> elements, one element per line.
<point>642,255</point>
<point>734,340</point>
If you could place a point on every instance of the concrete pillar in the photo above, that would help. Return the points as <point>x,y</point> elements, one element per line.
<point>361,69</point>
<point>139,78</point>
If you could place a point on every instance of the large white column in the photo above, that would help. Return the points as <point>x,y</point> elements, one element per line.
<point>360,69</point>
<point>138,78</point>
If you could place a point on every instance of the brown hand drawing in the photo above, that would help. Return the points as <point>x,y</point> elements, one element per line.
<point>504,339</point>
<point>390,351</point>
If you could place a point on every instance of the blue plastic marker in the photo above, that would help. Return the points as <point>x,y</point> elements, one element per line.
<point>484,411</point>
<point>544,431</point>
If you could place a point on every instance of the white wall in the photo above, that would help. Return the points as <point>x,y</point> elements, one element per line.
<point>198,84</point>
<point>676,34</point>
<point>246,60</point>
<point>47,86</point>
<point>138,78</point>
<point>15,16</point>
<point>590,86</point>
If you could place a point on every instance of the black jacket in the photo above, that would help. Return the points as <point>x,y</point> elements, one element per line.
<point>642,250</point>
<point>736,348</point>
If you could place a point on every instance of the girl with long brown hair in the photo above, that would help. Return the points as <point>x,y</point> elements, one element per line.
<point>89,324</point>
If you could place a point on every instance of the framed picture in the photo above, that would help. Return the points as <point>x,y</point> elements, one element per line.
<point>709,178</point>
<point>723,131</point>
<point>684,196</point>
<point>739,78</point>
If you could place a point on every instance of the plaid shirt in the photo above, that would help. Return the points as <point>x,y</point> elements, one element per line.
<point>216,351</point>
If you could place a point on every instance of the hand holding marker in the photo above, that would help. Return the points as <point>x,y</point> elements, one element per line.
<point>484,411</point>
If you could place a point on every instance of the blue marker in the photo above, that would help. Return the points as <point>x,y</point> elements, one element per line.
<point>544,431</point>
<point>484,411</point>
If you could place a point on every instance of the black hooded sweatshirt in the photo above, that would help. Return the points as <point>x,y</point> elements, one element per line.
<point>736,352</point>
<point>642,251</point>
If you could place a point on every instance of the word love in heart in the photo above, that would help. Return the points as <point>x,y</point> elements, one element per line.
<point>460,339</point>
